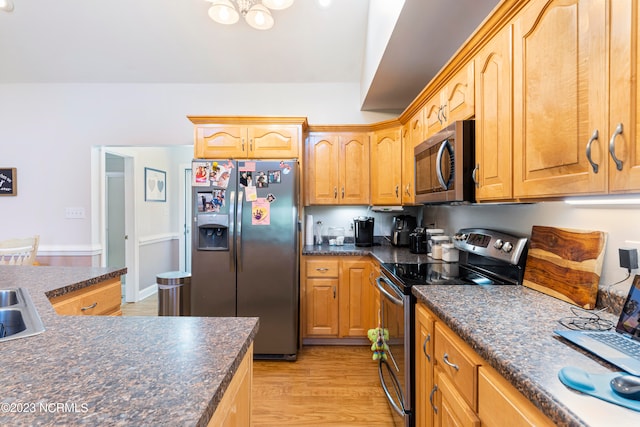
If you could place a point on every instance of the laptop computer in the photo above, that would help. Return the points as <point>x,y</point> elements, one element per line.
<point>622,347</point>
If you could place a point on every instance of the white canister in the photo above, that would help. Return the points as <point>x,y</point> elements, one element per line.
<point>430,232</point>
<point>436,246</point>
<point>450,253</point>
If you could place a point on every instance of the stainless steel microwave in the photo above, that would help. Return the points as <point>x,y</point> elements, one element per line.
<point>444,165</point>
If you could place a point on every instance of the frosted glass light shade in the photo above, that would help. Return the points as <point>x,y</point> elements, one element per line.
<point>259,17</point>
<point>6,5</point>
<point>277,4</point>
<point>223,12</point>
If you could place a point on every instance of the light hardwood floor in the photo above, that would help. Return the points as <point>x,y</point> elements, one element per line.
<point>333,386</point>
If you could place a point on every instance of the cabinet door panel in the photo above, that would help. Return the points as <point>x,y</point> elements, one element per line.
<point>273,141</point>
<point>322,172</point>
<point>624,95</point>
<point>354,169</point>
<point>493,119</point>
<point>559,96</point>
<point>459,95</point>
<point>216,142</point>
<point>322,307</point>
<point>355,299</point>
<point>386,164</point>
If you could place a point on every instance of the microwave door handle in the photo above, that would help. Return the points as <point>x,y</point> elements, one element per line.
<point>444,146</point>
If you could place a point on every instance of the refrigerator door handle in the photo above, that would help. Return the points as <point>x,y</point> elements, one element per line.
<point>232,251</point>
<point>239,233</point>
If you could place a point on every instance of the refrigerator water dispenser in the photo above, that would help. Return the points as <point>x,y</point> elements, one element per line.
<point>213,232</point>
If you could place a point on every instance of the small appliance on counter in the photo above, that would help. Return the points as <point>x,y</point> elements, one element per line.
<point>418,240</point>
<point>363,230</point>
<point>403,225</point>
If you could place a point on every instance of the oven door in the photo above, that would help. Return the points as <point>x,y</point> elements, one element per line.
<point>393,371</point>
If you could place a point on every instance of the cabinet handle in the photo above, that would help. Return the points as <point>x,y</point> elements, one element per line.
<point>440,114</point>
<point>89,307</point>
<point>612,147</point>
<point>322,269</point>
<point>242,144</point>
<point>408,189</point>
<point>343,192</point>
<point>433,391</point>
<point>424,347</point>
<point>474,175</point>
<point>445,358</point>
<point>251,144</point>
<point>334,292</point>
<point>335,192</point>
<point>594,137</point>
<point>397,188</point>
<point>444,116</point>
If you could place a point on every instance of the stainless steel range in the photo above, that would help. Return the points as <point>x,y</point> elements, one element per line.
<point>487,257</point>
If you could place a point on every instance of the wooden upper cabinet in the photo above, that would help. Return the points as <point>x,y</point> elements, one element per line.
<point>412,135</point>
<point>354,169</point>
<point>493,171</point>
<point>454,102</point>
<point>560,98</point>
<point>219,141</point>
<point>624,96</point>
<point>386,167</point>
<point>248,137</point>
<point>338,169</point>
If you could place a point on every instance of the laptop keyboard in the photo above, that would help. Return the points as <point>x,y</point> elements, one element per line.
<point>617,341</point>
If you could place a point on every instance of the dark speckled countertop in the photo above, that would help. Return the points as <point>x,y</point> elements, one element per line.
<point>511,327</point>
<point>383,253</point>
<point>118,371</point>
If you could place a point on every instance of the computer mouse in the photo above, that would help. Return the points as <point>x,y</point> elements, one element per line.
<point>627,386</point>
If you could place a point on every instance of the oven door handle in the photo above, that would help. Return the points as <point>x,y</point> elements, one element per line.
<point>396,386</point>
<point>381,288</point>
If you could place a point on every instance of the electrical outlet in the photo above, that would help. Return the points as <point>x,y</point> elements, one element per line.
<point>74,213</point>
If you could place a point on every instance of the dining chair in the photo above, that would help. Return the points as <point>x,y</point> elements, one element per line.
<point>19,251</point>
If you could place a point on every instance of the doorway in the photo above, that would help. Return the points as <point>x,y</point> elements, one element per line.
<point>118,219</point>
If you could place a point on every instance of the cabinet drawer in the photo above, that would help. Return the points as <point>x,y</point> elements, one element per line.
<point>322,268</point>
<point>459,362</point>
<point>103,298</point>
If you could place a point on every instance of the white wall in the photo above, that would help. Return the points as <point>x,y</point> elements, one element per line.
<point>47,132</point>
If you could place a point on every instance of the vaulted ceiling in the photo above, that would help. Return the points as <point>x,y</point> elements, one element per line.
<point>163,41</point>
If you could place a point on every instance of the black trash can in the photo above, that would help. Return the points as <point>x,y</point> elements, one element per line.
<point>174,293</point>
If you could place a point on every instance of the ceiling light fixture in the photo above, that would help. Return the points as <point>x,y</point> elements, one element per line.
<point>6,5</point>
<point>255,12</point>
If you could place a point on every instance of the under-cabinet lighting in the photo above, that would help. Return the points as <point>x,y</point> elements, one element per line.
<point>612,201</point>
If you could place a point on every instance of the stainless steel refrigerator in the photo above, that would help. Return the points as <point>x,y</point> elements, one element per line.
<point>245,247</point>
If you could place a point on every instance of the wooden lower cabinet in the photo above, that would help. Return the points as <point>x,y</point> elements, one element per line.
<point>234,409</point>
<point>456,387</point>
<point>338,298</point>
<point>500,404</point>
<point>101,299</point>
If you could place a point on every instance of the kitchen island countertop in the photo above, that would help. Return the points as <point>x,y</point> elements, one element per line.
<point>511,328</point>
<point>100,370</point>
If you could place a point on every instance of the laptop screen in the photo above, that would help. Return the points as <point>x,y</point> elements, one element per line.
<point>630,316</point>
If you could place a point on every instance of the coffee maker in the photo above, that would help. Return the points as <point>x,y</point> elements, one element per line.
<point>363,230</point>
<point>403,225</point>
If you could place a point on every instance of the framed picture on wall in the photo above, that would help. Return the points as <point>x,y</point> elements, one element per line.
<point>8,182</point>
<point>155,188</point>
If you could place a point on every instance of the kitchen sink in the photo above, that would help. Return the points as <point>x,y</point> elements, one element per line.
<point>8,297</point>
<point>18,316</point>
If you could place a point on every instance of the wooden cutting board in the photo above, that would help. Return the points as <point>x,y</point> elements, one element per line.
<point>565,263</point>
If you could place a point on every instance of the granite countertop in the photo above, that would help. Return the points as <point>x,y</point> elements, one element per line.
<point>511,327</point>
<point>100,370</point>
<point>383,253</point>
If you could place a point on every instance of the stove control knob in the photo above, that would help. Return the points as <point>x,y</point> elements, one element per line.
<point>507,247</point>
<point>498,244</point>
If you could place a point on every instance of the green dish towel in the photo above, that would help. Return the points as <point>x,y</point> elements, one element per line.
<point>597,385</point>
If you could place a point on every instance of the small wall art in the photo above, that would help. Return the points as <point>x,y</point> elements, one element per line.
<point>8,182</point>
<point>155,189</point>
